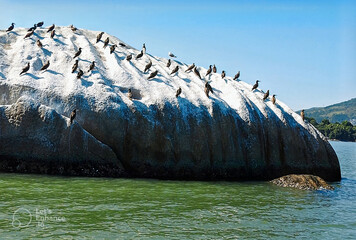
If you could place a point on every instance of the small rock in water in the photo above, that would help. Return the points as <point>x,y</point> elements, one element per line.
<point>303,181</point>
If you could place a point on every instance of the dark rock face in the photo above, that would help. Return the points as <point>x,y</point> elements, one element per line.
<point>304,182</point>
<point>169,141</point>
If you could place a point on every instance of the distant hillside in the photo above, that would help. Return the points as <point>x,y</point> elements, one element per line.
<point>334,113</point>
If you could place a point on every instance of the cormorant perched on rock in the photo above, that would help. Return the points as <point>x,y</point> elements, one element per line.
<point>209,71</point>
<point>75,66</point>
<point>214,69</point>
<point>78,53</point>
<point>169,63</point>
<point>256,85</point>
<point>25,69</point>
<point>179,91</point>
<point>129,94</point>
<point>92,66</point>
<point>45,66</point>
<point>29,34</point>
<point>129,57</point>
<point>80,74</point>
<point>52,33</point>
<point>208,89</point>
<point>302,114</point>
<point>40,24</point>
<point>190,67</point>
<point>51,28</point>
<point>237,75</point>
<point>112,48</point>
<point>11,27</point>
<point>106,42</point>
<point>266,95</point>
<point>72,116</point>
<point>32,28</point>
<point>99,37</point>
<point>153,74</point>
<point>73,28</point>
<point>197,72</point>
<point>139,55</point>
<point>122,44</point>
<point>148,66</point>
<point>171,55</point>
<point>223,74</point>
<point>144,48</point>
<point>274,99</point>
<point>174,70</point>
<point>39,44</point>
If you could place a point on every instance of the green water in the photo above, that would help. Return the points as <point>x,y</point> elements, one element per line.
<point>46,207</point>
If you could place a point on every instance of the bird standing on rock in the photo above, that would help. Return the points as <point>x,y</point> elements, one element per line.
<point>208,89</point>
<point>237,75</point>
<point>302,114</point>
<point>75,66</point>
<point>169,63</point>
<point>129,57</point>
<point>179,91</point>
<point>197,72</point>
<point>99,37</point>
<point>223,74</point>
<point>72,116</point>
<point>274,99</point>
<point>92,66</point>
<point>106,42</point>
<point>256,85</point>
<point>144,48</point>
<point>171,55</point>
<point>122,44</point>
<point>51,28</point>
<point>78,53</point>
<point>80,74</point>
<point>73,28</point>
<point>153,74</point>
<point>29,34</point>
<point>174,70</point>
<point>129,94</point>
<point>214,69</point>
<point>139,55</point>
<point>190,67</point>
<point>40,24</point>
<point>45,66</point>
<point>266,95</point>
<point>148,66</point>
<point>32,28</point>
<point>112,48</point>
<point>52,33</point>
<point>25,69</point>
<point>11,27</point>
<point>209,71</point>
<point>39,44</point>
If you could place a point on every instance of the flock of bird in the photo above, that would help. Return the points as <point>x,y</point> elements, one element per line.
<point>80,73</point>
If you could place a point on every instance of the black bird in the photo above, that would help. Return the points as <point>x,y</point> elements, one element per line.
<point>112,48</point>
<point>214,69</point>
<point>197,72</point>
<point>274,99</point>
<point>148,66</point>
<point>52,33</point>
<point>190,67</point>
<point>32,28</point>
<point>44,67</point>
<point>99,37</point>
<point>39,44</point>
<point>40,24</point>
<point>209,71</point>
<point>175,70</point>
<point>29,34</point>
<point>144,48</point>
<point>237,75</point>
<point>78,53</point>
<point>11,27</point>
<point>169,63</point>
<point>266,95</point>
<point>25,69</point>
<point>73,28</point>
<point>179,91</point>
<point>302,114</point>
<point>51,28</point>
<point>122,44</point>
<point>72,116</point>
<point>171,55</point>
<point>208,89</point>
<point>153,74</point>
<point>106,42</point>
<point>223,74</point>
<point>80,74</point>
<point>129,94</point>
<point>92,66</point>
<point>256,85</point>
<point>75,66</point>
<point>139,55</point>
<point>129,57</point>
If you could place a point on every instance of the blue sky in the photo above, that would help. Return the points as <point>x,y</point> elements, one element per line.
<point>303,51</point>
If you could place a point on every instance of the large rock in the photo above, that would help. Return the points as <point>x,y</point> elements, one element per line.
<point>303,181</point>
